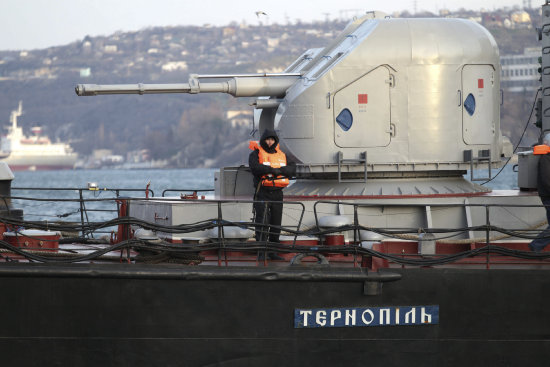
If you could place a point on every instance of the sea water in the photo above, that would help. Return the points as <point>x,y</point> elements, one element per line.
<point>65,205</point>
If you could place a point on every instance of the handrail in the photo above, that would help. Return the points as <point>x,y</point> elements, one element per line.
<point>354,248</point>
<point>80,189</point>
<point>84,210</point>
<point>186,190</point>
<point>82,202</point>
<point>487,228</point>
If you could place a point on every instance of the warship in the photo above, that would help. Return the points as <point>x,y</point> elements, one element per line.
<point>391,257</point>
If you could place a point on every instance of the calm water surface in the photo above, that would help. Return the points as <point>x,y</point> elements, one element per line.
<point>107,181</point>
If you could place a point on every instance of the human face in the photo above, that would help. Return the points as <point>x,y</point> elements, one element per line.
<point>270,141</point>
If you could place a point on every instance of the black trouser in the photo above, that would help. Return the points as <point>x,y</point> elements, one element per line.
<point>269,210</point>
<point>543,238</point>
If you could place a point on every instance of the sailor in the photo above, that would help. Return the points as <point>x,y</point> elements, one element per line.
<point>271,172</point>
<point>543,186</point>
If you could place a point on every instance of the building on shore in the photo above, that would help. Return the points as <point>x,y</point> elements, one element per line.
<point>519,73</point>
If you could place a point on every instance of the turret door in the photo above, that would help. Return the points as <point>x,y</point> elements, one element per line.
<point>362,111</point>
<point>478,115</point>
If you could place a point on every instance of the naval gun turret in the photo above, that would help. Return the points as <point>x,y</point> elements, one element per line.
<point>391,106</point>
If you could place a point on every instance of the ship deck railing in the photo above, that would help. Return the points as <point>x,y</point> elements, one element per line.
<point>398,247</point>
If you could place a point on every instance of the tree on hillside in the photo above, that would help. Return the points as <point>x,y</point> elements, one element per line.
<point>204,135</point>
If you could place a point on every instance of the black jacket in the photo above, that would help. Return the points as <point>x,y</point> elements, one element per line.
<point>543,177</point>
<point>259,170</point>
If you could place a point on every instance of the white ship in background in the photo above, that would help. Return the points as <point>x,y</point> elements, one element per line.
<point>33,152</point>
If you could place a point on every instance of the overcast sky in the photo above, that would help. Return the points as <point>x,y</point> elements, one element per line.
<point>30,24</point>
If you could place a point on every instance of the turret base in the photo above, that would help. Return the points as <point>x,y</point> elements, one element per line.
<point>386,187</point>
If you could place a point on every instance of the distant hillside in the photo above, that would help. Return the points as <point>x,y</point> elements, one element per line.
<point>189,131</point>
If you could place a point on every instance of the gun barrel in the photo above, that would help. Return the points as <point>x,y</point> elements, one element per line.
<point>99,89</point>
<point>227,76</point>
<point>244,85</point>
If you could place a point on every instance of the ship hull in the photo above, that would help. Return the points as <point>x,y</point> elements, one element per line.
<point>88,315</point>
<point>32,167</point>
<point>33,153</point>
<point>40,163</point>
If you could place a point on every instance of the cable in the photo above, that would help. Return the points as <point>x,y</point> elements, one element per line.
<point>169,248</point>
<point>520,139</point>
<point>159,245</point>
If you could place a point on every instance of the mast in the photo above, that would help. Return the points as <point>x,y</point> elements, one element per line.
<point>15,114</point>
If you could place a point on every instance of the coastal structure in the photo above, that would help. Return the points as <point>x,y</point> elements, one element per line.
<point>520,73</point>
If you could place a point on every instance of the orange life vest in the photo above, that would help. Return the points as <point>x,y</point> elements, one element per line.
<point>275,160</point>
<point>541,149</point>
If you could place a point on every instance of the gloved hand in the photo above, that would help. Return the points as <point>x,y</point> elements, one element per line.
<point>289,170</point>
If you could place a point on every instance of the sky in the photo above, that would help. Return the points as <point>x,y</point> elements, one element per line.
<point>35,24</point>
